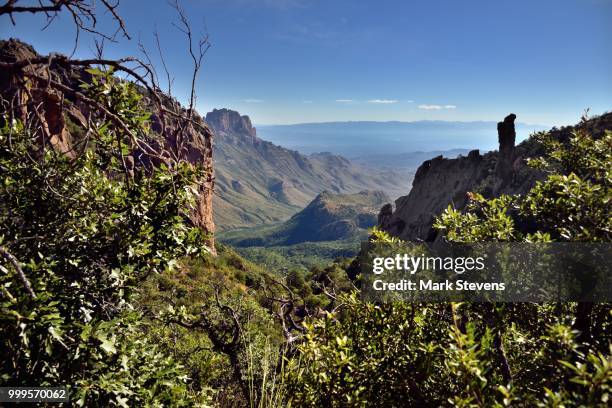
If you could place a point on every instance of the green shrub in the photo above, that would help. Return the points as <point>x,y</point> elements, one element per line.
<point>84,232</point>
<point>484,354</point>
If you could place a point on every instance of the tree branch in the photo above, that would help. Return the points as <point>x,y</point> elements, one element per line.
<point>13,261</point>
<point>82,12</point>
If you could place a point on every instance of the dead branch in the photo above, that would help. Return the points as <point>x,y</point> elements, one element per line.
<point>82,12</point>
<point>15,263</point>
<point>169,79</point>
<point>285,313</point>
<point>172,117</point>
<point>197,56</point>
<point>196,53</point>
<point>217,333</point>
<point>42,76</point>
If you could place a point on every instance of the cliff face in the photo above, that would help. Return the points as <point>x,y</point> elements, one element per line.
<point>62,111</point>
<point>440,181</point>
<point>437,183</point>
<point>197,148</point>
<point>53,113</point>
<point>229,121</point>
<point>258,182</point>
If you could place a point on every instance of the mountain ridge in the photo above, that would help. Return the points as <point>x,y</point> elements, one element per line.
<point>359,138</point>
<point>328,217</point>
<point>427,121</point>
<point>259,182</point>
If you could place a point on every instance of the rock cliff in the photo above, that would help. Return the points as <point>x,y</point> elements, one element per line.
<point>64,116</point>
<point>439,182</point>
<point>229,121</point>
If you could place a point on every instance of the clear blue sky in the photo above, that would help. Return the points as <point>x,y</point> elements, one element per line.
<point>289,61</point>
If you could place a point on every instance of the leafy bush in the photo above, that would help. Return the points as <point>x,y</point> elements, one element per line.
<point>478,354</point>
<point>82,233</point>
<point>188,293</point>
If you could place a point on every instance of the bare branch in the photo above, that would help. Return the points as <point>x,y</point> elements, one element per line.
<point>196,52</point>
<point>13,261</point>
<point>285,314</point>
<point>163,61</point>
<point>82,12</point>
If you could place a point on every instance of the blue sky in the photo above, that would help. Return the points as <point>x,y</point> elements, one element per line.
<point>291,61</point>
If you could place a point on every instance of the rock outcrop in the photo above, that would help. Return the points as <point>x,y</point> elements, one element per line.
<point>53,112</point>
<point>440,181</point>
<point>437,183</point>
<point>506,135</point>
<point>62,112</point>
<point>229,121</point>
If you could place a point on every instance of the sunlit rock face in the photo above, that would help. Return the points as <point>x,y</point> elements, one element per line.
<point>440,181</point>
<point>62,115</point>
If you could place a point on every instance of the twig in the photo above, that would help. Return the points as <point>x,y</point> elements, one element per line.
<point>24,280</point>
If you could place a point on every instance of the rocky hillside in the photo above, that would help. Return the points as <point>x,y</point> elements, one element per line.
<point>329,217</point>
<point>64,116</point>
<point>258,182</point>
<point>441,181</point>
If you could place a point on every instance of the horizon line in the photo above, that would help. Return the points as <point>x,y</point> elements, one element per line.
<point>396,121</point>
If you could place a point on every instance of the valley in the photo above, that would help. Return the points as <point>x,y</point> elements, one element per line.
<point>284,209</point>
<point>153,255</point>
<point>258,182</point>
<point>330,227</point>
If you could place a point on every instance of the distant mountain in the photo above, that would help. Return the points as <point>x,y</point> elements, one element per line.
<point>409,160</point>
<point>355,139</point>
<point>258,182</point>
<point>329,217</point>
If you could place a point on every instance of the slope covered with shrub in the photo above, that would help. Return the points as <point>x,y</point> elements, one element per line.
<point>79,234</point>
<point>479,354</point>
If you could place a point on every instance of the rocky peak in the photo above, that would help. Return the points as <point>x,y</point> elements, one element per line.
<point>229,121</point>
<point>507,137</point>
<point>506,133</point>
<point>439,182</point>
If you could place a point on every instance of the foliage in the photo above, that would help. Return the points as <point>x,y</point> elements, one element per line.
<point>86,231</point>
<point>478,354</point>
<point>303,256</point>
<point>186,293</point>
<point>572,204</point>
<point>401,354</point>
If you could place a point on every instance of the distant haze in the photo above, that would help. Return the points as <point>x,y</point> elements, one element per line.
<point>356,139</point>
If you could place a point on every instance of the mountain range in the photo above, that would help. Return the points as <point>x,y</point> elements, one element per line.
<point>258,182</point>
<point>361,138</point>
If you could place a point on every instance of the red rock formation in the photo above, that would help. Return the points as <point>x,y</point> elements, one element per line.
<point>55,107</point>
<point>197,149</point>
